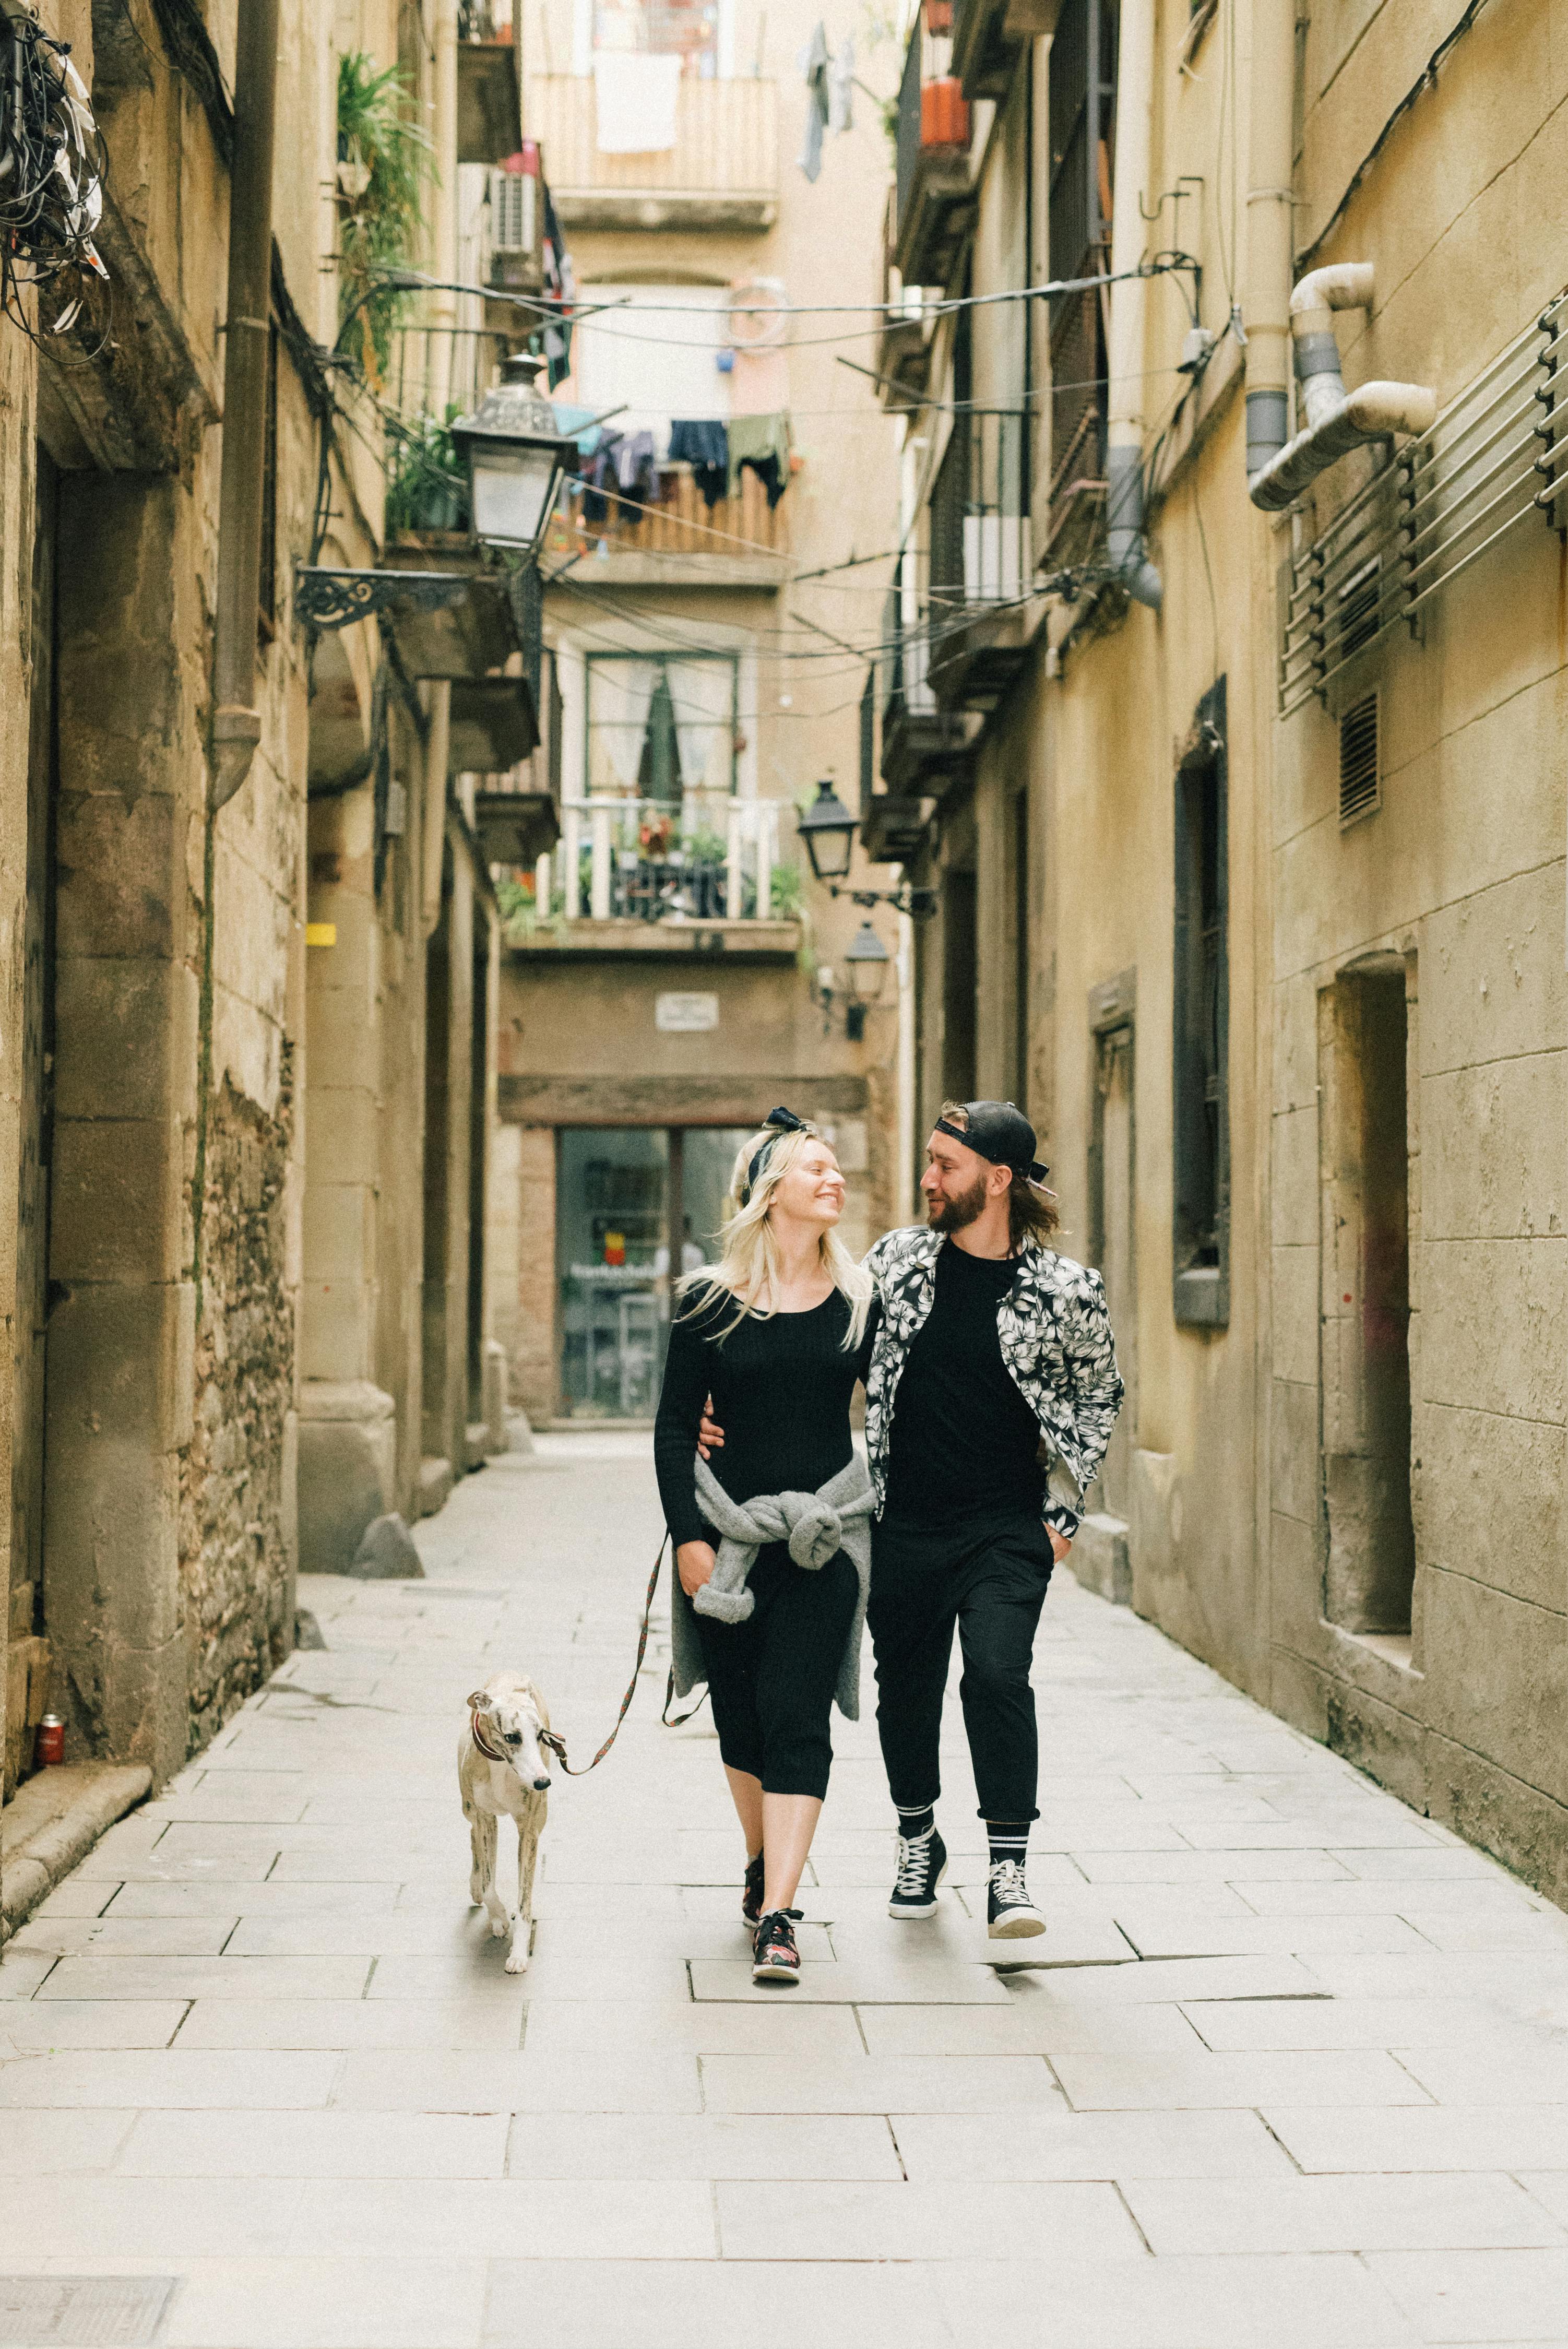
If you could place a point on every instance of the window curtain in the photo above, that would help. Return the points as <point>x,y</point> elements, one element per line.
<point>620,693</point>
<point>704,695</point>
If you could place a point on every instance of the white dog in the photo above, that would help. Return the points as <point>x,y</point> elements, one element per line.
<point>502,1772</point>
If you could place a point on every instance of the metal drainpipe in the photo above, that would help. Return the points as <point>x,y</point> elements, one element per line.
<point>236,723</point>
<point>1271,251</point>
<point>1128,306</point>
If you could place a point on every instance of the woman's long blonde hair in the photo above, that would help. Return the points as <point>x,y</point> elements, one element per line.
<point>748,1260</point>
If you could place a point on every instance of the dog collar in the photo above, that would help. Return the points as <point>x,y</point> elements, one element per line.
<point>491,1753</point>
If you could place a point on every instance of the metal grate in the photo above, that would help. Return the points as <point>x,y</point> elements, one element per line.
<point>1489,462</point>
<point>81,2311</point>
<point>1360,782</point>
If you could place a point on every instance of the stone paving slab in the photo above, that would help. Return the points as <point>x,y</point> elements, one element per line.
<point>1289,2070</point>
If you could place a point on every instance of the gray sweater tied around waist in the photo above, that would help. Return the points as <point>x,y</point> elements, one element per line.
<point>816,1526</point>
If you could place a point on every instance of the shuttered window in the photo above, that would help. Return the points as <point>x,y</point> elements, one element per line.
<point>1360,781</point>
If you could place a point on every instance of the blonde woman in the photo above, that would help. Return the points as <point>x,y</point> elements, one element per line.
<point>773,1535</point>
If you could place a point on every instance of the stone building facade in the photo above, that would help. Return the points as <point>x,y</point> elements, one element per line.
<point>674,970</point>
<point>1246,806</point>
<point>243,1314</point>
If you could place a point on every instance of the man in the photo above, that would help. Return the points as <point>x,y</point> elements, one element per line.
<point>991,1393</point>
<point>990,1399</point>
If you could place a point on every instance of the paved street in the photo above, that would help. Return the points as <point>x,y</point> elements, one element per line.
<point>1291,2067</point>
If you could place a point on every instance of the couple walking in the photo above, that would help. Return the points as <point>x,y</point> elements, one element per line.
<point>991,1389</point>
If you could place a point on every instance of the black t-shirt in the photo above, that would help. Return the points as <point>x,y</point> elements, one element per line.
<point>963,1438</point>
<point>781,1388</point>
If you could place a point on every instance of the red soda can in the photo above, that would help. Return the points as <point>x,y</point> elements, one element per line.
<point>51,1740</point>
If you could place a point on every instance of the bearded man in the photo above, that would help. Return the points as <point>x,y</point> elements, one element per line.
<point>990,1398</point>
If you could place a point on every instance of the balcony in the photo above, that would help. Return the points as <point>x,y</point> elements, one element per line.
<point>980,601</point>
<point>893,827</point>
<point>937,191</point>
<point>925,746</point>
<point>700,875</point>
<point>721,173</point>
<point>990,37</point>
<point>908,322</point>
<point>675,540</point>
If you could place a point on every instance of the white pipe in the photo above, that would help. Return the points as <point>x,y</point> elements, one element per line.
<point>1336,421</point>
<point>1270,239</point>
<point>443,203</point>
<point>1128,305</point>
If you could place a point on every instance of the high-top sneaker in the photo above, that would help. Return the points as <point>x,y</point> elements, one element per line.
<point>1010,1914</point>
<point>751,1893</point>
<point>922,1864</point>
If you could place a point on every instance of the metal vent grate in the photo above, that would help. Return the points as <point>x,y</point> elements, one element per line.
<point>81,2311</point>
<point>1497,456</point>
<point>1360,786</point>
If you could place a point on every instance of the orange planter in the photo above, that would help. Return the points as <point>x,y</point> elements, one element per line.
<point>939,16</point>
<point>943,113</point>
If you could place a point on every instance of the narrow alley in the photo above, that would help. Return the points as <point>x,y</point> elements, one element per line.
<point>1291,2070</point>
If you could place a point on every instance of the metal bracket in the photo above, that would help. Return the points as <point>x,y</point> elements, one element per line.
<point>921,903</point>
<point>335,599</point>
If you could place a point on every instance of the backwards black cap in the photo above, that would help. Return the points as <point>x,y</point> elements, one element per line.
<point>779,1121</point>
<point>999,1132</point>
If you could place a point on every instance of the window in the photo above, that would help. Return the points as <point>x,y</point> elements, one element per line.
<point>1082,111</point>
<point>701,33</point>
<point>1202,1163</point>
<point>661,726</point>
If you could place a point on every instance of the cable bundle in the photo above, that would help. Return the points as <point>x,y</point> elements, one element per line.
<point>51,171</point>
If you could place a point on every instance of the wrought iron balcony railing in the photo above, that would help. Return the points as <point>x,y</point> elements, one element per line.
<point>707,857</point>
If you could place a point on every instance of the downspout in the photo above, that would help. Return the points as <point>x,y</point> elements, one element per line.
<point>1270,238</point>
<point>444,203</point>
<point>237,721</point>
<point>1128,306</point>
<point>1335,420</point>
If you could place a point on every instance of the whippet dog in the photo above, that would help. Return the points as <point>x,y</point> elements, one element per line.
<point>502,1772</point>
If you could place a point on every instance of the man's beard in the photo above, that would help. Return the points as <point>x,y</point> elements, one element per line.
<point>957,1215</point>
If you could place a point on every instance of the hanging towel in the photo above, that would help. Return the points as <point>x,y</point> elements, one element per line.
<point>763,442</point>
<point>813,65</point>
<point>578,420</point>
<point>635,96</point>
<point>841,89</point>
<point>634,466</point>
<point>703,443</point>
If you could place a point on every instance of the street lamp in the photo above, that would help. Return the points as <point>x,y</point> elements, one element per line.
<point>868,959</point>
<point>828,830</point>
<point>516,455</point>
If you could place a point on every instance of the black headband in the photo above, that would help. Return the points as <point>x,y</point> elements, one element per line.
<point>782,1122</point>
<point>1030,1169</point>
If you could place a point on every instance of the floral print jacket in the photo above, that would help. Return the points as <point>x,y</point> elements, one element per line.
<point>1055,1342</point>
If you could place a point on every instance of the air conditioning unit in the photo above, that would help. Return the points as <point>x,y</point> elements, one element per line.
<point>516,225</point>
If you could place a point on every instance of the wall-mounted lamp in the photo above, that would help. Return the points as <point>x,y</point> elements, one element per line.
<point>517,456</point>
<point>868,961</point>
<point>827,829</point>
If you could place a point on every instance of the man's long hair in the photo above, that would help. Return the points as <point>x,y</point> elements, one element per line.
<point>749,1265</point>
<point>1032,1215</point>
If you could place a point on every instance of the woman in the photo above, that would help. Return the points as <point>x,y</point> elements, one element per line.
<point>772,1538</point>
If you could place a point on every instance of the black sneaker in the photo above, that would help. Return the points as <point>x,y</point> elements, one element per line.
<point>751,1893</point>
<point>774,1957</point>
<point>1010,1914</point>
<point>922,1864</point>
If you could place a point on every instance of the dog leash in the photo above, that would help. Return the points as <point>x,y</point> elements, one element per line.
<point>557,1743</point>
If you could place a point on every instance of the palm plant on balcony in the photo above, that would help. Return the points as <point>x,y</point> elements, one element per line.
<point>383,170</point>
<point>427,485</point>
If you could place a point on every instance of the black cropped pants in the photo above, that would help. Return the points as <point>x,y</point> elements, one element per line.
<point>990,1580</point>
<point>773,1678</point>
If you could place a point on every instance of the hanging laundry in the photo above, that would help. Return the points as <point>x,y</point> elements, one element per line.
<point>763,442</point>
<point>703,443</point>
<point>841,89</point>
<point>634,466</point>
<point>560,290</point>
<point>579,421</point>
<point>635,99</point>
<point>813,64</point>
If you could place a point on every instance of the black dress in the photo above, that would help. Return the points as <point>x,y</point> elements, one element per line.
<point>780,1385</point>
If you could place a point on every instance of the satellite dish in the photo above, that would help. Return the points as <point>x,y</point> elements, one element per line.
<point>758,318</point>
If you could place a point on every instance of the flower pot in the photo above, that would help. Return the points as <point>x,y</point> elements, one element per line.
<point>943,113</point>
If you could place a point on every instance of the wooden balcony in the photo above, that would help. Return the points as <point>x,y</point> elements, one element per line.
<point>721,173</point>
<point>678,541</point>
